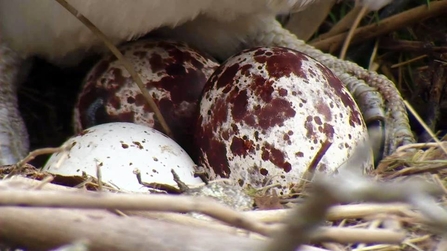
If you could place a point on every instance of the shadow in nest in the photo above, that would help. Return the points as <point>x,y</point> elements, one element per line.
<point>46,100</point>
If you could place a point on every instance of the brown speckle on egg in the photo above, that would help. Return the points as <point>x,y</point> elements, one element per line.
<point>266,113</point>
<point>174,74</point>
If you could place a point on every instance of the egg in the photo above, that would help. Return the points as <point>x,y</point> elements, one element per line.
<point>174,74</point>
<point>121,150</point>
<point>269,115</point>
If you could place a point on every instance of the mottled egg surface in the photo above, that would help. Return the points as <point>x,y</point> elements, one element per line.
<point>269,114</point>
<point>174,74</point>
<point>120,151</point>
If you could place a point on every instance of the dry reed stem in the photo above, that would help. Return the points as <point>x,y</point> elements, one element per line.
<point>354,26</point>
<point>32,155</point>
<point>342,235</point>
<point>123,61</point>
<point>342,25</point>
<point>98,200</point>
<point>384,26</point>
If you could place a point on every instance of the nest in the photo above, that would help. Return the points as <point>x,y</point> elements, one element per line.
<point>398,206</point>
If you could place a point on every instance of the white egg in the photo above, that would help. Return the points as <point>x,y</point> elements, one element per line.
<point>121,150</point>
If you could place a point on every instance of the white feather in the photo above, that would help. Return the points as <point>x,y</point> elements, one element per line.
<point>43,27</point>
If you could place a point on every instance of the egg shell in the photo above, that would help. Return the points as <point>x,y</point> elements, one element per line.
<point>119,149</point>
<point>174,74</point>
<point>267,113</point>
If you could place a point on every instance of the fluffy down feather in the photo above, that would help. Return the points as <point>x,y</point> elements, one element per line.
<point>44,28</point>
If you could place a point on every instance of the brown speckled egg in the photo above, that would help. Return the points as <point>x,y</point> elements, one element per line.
<point>174,75</point>
<point>269,114</point>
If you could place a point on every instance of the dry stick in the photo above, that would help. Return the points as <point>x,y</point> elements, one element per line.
<point>352,235</point>
<point>409,61</point>
<point>19,166</point>
<point>425,126</point>
<point>333,234</point>
<point>351,31</point>
<point>385,26</point>
<point>46,228</point>
<point>337,212</point>
<point>123,61</point>
<point>355,211</point>
<point>180,204</point>
<point>342,25</point>
<point>328,191</point>
<point>167,203</point>
<point>303,220</point>
<point>416,193</point>
<point>372,66</point>
<point>343,235</point>
<point>436,91</point>
<point>418,145</point>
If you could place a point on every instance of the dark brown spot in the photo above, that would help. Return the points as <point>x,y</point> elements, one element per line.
<point>324,110</point>
<point>227,75</point>
<point>138,144</point>
<point>264,171</point>
<point>309,127</point>
<point>263,88</point>
<point>156,62</point>
<point>342,93</point>
<point>329,131</point>
<point>299,154</point>
<point>275,113</point>
<point>240,102</point>
<point>276,156</point>
<point>245,70</point>
<point>241,147</point>
<point>285,62</point>
<point>225,135</point>
<point>282,92</point>
<point>130,100</point>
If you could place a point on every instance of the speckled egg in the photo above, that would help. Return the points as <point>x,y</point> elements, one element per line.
<point>174,74</point>
<point>268,115</point>
<point>121,151</point>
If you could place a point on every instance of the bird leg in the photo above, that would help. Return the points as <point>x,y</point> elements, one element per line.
<point>380,102</point>
<point>13,134</point>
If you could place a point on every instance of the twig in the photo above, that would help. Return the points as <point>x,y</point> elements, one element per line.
<point>342,25</point>
<point>339,212</point>
<point>298,229</point>
<point>351,31</point>
<point>342,235</point>
<point>166,203</point>
<point>437,80</point>
<point>425,126</point>
<point>352,235</point>
<point>32,155</point>
<point>46,228</point>
<point>123,61</point>
<point>349,187</point>
<point>385,26</point>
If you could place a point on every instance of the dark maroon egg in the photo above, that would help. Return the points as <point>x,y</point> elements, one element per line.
<point>267,115</point>
<point>174,74</point>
